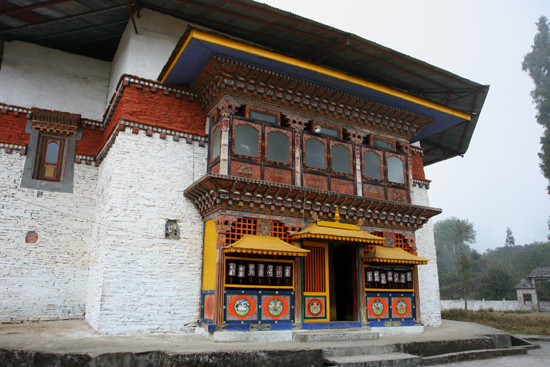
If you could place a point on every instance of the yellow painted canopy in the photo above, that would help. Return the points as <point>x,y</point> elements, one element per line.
<point>381,254</point>
<point>253,244</point>
<point>334,231</point>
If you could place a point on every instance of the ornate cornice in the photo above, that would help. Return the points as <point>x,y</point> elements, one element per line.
<point>215,192</point>
<point>55,121</point>
<point>223,76</point>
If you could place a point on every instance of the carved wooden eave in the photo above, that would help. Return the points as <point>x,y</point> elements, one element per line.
<point>223,76</point>
<point>214,192</point>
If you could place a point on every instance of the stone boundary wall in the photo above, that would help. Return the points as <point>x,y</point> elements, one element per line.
<point>476,305</point>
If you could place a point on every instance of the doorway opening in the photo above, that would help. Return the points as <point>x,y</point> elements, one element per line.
<point>343,287</point>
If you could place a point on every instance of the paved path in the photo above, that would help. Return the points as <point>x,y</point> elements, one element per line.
<point>534,358</point>
<point>76,336</point>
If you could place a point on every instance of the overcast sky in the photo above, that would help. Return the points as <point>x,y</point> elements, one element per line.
<point>498,183</point>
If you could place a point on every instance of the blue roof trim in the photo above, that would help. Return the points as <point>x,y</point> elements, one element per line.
<point>198,53</point>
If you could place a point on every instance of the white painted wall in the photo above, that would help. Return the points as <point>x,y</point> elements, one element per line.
<point>430,305</point>
<point>145,54</point>
<point>45,280</point>
<point>139,281</point>
<point>35,76</point>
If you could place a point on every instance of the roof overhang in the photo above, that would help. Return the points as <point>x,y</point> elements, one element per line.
<point>332,231</point>
<point>197,47</point>
<point>262,245</point>
<point>393,255</point>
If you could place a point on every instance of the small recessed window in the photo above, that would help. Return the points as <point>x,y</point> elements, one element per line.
<point>278,147</point>
<point>395,170</point>
<point>216,143</point>
<point>263,117</point>
<point>246,141</point>
<point>51,160</point>
<point>315,154</point>
<point>382,144</point>
<point>372,165</point>
<point>341,159</point>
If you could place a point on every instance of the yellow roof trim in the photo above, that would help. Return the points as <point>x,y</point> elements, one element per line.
<point>253,244</point>
<point>309,66</point>
<point>393,255</point>
<point>322,230</point>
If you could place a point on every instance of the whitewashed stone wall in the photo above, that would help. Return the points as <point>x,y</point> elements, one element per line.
<point>139,281</point>
<point>45,280</point>
<point>35,76</point>
<point>476,305</point>
<point>430,306</point>
<point>145,54</point>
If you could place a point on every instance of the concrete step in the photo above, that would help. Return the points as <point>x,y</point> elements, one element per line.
<point>471,355</point>
<point>361,350</point>
<point>375,360</point>
<point>334,335</point>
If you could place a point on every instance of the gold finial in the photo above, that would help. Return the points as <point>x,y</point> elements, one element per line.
<point>336,216</point>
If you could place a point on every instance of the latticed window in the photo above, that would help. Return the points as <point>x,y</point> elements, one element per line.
<point>250,226</point>
<point>280,231</point>
<point>240,228</point>
<point>402,243</point>
<point>370,246</point>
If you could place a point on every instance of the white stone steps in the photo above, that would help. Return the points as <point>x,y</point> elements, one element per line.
<point>375,360</point>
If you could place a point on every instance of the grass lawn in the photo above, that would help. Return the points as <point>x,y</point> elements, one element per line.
<point>525,323</point>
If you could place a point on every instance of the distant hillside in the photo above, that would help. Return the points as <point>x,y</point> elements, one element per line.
<point>463,271</point>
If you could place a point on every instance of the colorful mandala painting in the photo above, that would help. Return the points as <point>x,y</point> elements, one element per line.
<point>315,307</point>
<point>378,308</point>
<point>275,307</point>
<point>209,306</point>
<point>401,308</point>
<point>264,227</point>
<point>241,307</point>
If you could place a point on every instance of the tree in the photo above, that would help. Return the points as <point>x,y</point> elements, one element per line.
<point>510,240</point>
<point>452,234</point>
<point>537,64</point>
<point>452,239</point>
<point>466,276</point>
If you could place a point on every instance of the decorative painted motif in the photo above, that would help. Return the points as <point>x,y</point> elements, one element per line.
<point>215,168</point>
<point>399,195</point>
<point>209,305</point>
<point>390,239</point>
<point>263,227</point>
<point>315,181</point>
<point>401,307</point>
<point>378,308</point>
<point>342,186</point>
<point>172,230</point>
<point>31,237</point>
<point>315,307</point>
<point>246,170</point>
<point>241,307</point>
<point>278,175</point>
<point>276,307</point>
<point>373,191</point>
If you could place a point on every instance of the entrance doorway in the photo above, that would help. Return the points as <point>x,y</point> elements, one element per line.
<point>343,283</point>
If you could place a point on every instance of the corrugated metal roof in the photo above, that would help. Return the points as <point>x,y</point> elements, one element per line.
<point>94,27</point>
